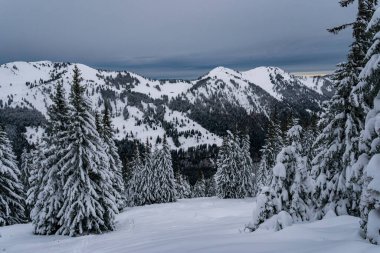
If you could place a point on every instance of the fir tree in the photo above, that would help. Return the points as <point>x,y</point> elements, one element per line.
<point>48,188</point>
<point>370,199</point>
<point>114,159</point>
<point>365,176</point>
<point>36,173</point>
<point>246,168</point>
<point>183,187</point>
<point>12,200</point>
<point>134,184</point>
<point>291,182</point>
<point>338,144</point>
<point>146,181</point>
<point>26,164</point>
<point>164,187</point>
<point>210,187</point>
<point>273,144</point>
<point>199,188</point>
<point>89,204</point>
<point>234,177</point>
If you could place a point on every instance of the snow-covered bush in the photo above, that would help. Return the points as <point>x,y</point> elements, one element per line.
<point>266,207</point>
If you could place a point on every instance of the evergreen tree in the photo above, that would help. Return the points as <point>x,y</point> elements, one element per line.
<point>164,187</point>
<point>48,187</point>
<point>338,144</point>
<point>155,182</point>
<point>36,173</point>
<point>365,176</point>
<point>210,187</point>
<point>199,188</point>
<point>363,95</point>
<point>114,159</point>
<point>273,144</point>
<point>89,204</point>
<point>370,199</point>
<point>134,184</point>
<point>291,181</point>
<point>12,200</point>
<point>183,187</point>
<point>234,176</point>
<point>246,168</point>
<point>26,164</point>
<point>98,123</point>
<point>146,181</point>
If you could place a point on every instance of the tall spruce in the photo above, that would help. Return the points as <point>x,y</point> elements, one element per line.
<point>135,189</point>
<point>12,201</point>
<point>114,159</point>
<point>338,144</point>
<point>25,166</point>
<point>49,187</point>
<point>164,187</point>
<point>88,197</point>
<point>365,176</point>
<point>370,199</point>
<point>273,144</point>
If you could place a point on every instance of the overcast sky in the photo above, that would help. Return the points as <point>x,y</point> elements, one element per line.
<point>175,38</point>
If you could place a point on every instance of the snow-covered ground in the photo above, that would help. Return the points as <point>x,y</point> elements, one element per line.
<point>195,225</point>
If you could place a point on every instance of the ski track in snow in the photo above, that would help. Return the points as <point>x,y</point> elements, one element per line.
<point>195,225</point>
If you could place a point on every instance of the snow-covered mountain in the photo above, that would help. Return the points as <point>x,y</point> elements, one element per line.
<point>190,112</point>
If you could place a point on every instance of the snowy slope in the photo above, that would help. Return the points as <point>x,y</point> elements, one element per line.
<point>31,84</point>
<point>142,108</point>
<point>195,225</point>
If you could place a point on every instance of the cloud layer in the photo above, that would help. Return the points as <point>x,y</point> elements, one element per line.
<point>175,38</point>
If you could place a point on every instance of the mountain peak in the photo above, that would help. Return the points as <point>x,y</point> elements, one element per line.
<point>222,71</point>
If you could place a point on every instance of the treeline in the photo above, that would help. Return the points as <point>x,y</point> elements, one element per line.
<point>334,170</point>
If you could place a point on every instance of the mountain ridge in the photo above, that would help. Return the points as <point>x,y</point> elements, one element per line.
<point>188,111</point>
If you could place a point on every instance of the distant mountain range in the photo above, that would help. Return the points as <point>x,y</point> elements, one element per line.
<point>191,113</point>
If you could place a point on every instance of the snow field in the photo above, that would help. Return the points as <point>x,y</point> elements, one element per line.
<point>195,225</point>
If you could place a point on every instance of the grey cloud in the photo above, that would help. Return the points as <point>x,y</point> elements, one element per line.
<point>175,38</point>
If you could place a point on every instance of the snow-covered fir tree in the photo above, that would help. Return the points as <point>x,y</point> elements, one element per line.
<point>134,189</point>
<point>234,177</point>
<point>199,188</point>
<point>365,174</point>
<point>363,95</point>
<point>370,199</point>
<point>49,188</point>
<point>26,164</point>
<point>246,168</point>
<point>183,187</point>
<point>145,181</point>
<point>337,147</point>
<point>36,173</point>
<point>164,187</point>
<point>88,197</point>
<point>210,187</point>
<point>273,144</point>
<point>12,197</point>
<point>291,182</point>
<point>154,182</point>
<point>114,159</point>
